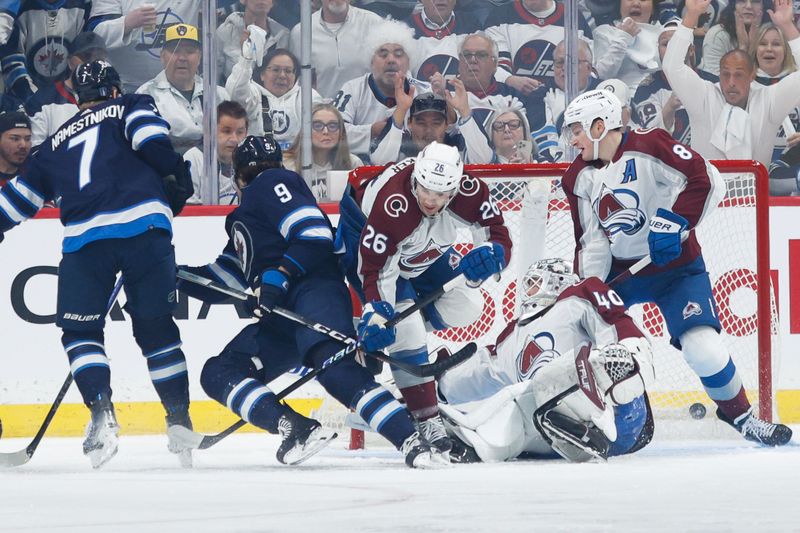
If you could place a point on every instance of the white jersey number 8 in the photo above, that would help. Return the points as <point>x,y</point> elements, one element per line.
<point>682,152</point>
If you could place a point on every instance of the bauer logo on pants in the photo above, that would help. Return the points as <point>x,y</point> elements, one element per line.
<point>692,309</point>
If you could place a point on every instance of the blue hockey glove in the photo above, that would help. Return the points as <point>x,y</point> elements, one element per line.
<point>274,286</point>
<point>372,332</point>
<point>664,238</point>
<point>482,262</point>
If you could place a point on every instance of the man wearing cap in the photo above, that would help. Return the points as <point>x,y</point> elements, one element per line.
<point>15,144</point>
<point>134,32</point>
<point>427,122</point>
<point>619,89</point>
<point>178,90</point>
<point>53,105</point>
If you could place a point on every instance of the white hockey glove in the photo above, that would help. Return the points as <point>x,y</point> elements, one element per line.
<point>254,47</point>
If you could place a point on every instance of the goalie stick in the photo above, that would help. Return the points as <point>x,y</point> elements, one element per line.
<point>19,458</point>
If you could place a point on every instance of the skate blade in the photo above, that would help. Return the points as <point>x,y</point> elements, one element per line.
<point>101,456</point>
<point>432,461</point>
<point>319,439</point>
<point>185,458</point>
<point>184,437</point>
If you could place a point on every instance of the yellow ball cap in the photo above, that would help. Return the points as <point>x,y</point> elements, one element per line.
<point>176,32</point>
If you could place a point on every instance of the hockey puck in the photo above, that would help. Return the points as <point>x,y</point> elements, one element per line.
<point>697,410</point>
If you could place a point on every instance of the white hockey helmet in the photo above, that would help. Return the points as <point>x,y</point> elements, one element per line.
<point>438,168</point>
<point>544,281</point>
<point>590,106</point>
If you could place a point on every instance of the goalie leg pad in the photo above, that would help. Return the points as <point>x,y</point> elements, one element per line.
<point>575,441</point>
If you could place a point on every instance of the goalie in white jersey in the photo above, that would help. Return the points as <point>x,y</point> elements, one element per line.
<point>635,194</point>
<point>568,375</point>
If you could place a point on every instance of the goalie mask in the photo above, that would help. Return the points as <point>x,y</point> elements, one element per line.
<point>438,169</point>
<point>588,107</point>
<point>544,281</point>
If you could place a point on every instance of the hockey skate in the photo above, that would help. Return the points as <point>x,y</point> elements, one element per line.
<point>302,438</point>
<point>102,432</point>
<point>432,430</point>
<point>419,454</point>
<point>175,446</point>
<point>754,429</point>
<point>462,452</point>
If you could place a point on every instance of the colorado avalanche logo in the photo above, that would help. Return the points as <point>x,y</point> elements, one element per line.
<point>538,351</point>
<point>424,259</point>
<point>692,309</point>
<point>618,210</point>
<point>243,243</point>
<point>534,58</point>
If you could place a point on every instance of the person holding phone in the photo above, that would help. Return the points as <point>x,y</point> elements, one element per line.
<point>511,137</point>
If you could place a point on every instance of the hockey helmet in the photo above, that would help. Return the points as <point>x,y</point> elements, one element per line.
<point>438,168</point>
<point>255,149</point>
<point>590,106</point>
<point>544,281</point>
<point>95,81</point>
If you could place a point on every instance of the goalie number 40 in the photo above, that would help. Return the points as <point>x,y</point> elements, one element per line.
<point>608,299</point>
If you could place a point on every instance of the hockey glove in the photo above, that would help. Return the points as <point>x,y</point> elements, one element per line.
<point>482,262</point>
<point>372,332</point>
<point>178,186</point>
<point>664,238</point>
<point>274,286</point>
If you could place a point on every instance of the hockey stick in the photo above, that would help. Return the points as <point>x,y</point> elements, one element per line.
<point>19,458</point>
<point>416,370</point>
<point>638,266</point>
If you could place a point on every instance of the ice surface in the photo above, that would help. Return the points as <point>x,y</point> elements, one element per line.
<point>719,485</point>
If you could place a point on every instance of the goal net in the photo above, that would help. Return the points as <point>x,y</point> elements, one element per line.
<point>735,243</point>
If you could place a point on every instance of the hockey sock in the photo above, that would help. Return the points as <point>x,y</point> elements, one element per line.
<point>255,403</point>
<point>160,342</point>
<point>88,363</point>
<point>725,388</point>
<point>421,400</point>
<point>385,415</point>
<point>170,378</point>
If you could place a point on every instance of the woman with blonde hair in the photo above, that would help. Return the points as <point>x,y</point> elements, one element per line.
<point>329,147</point>
<point>774,60</point>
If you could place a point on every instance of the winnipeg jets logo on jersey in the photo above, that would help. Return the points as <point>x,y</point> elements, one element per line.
<point>49,58</point>
<point>618,210</point>
<point>446,64</point>
<point>280,121</point>
<point>535,58</point>
<point>151,40</point>
<point>422,260</point>
<point>243,243</point>
<point>538,351</point>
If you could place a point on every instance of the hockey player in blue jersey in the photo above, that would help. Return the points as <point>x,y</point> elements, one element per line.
<point>118,182</point>
<point>281,245</point>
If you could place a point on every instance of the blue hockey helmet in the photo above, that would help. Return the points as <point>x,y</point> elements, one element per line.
<point>95,81</point>
<point>255,149</point>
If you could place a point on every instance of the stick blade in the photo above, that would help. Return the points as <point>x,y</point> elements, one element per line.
<point>185,437</point>
<point>10,460</point>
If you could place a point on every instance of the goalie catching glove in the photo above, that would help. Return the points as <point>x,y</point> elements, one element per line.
<point>664,238</point>
<point>622,370</point>
<point>483,262</point>
<point>372,331</point>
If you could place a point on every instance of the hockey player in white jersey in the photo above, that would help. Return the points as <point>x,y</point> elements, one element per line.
<point>567,376</point>
<point>399,230</point>
<point>636,194</point>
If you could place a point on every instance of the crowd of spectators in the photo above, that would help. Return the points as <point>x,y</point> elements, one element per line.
<point>487,76</point>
